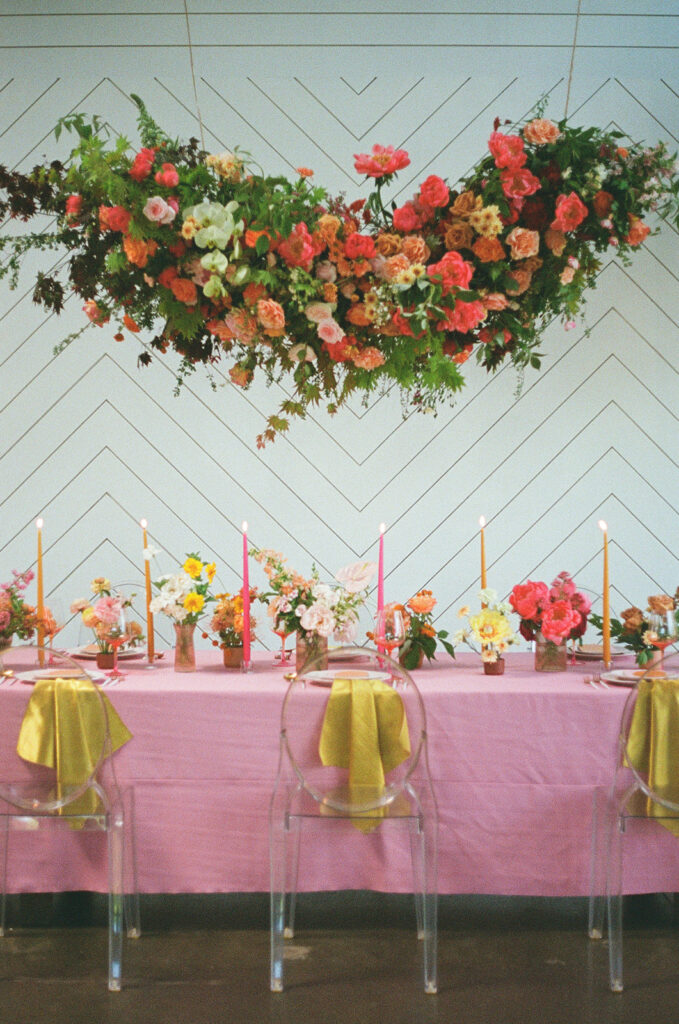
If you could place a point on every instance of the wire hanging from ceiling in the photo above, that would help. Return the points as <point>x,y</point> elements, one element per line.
<point>570,70</point>
<point>193,75</point>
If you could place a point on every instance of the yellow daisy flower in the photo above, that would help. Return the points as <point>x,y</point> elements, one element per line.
<point>194,602</point>
<point>193,568</point>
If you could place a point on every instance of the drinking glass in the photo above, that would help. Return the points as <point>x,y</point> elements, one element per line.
<point>390,630</point>
<point>281,630</point>
<point>662,629</point>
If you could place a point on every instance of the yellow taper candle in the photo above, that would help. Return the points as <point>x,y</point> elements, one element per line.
<point>484,583</point>
<point>606,614</point>
<point>150,649</point>
<point>40,607</point>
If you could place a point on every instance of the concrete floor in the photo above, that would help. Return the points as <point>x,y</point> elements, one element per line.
<point>354,960</point>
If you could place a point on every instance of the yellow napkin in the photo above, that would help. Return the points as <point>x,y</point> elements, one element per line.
<point>653,744</point>
<point>63,729</point>
<point>364,730</point>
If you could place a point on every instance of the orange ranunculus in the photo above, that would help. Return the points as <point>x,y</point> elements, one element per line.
<point>138,250</point>
<point>184,291</point>
<point>422,603</point>
<point>357,315</point>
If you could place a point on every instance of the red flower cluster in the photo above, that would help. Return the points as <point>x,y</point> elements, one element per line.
<point>559,613</point>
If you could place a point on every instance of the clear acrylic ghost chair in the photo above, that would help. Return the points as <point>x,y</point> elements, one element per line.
<point>309,792</point>
<point>31,795</point>
<point>631,797</point>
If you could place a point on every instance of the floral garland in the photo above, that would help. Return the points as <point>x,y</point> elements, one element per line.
<point>283,279</point>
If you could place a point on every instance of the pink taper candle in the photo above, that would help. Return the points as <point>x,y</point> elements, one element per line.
<point>380,571</point>
<point>606,613</point>
<point>246,600</point>
<point>40,607</point>
<point>150,644</point>
<point>484,582</point>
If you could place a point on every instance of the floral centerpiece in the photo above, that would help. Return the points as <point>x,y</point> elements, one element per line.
<point>228,623</point>
<point>105,615</point>
<point>312,609</point>
<point>182,597</point>
<point>633,629</point>
<point>421,634</point>
<point>490,629</point>
<point>551,616</point>
<point>17,617</point>
<point>206,255</point>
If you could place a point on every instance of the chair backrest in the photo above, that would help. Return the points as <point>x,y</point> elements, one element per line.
<point>654,695</point>
<point>304,712</point>
<point>61,713</point>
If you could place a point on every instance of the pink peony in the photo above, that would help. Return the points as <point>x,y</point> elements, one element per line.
<point>507,150</point>
<point>108,610</point>
<point>298,248</point>
<point>167,176</point>
<point>570,211</point>
<point>526,598</point>
<point>382,161</point>
<point>434,191</point>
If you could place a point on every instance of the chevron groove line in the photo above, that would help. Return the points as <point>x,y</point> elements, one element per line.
<point>335,117</point>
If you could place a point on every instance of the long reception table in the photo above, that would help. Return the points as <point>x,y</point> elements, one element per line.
<point>515,761</point>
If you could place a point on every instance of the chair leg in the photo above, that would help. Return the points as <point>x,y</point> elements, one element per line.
<point>289,931</point>
<point>4,844</point>
<point>278,827</point>
<point>115,899</point>
<point>614,900</point>
<point>601,825</point>
<point>430,903</point>
<point>131,885</point>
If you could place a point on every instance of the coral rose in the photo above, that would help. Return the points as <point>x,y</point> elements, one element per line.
<point>415,249</point>
<point>523,243</point>
<point>453,271</point>
<point>570,212</point>
<point>434,191</point>
<point>422,603</point>
<point>272,317</point>
<point>464,317</point>
<point>507,150</point>
<point>406,219</point>
<point>114,218</point>
<point>488,250</point>
<point>517,182</point>
<point>540,131</point>
<point>638,230</point>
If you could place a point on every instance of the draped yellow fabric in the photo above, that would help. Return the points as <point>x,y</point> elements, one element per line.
<point>64,728</point>
<point>653,744</point>
<point>365,731</point>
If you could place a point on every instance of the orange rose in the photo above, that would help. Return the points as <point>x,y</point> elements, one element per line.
<point>387,244</point>
<point>395,265</point>
<point>415,249</point>
<point>488,250</point>
<point>458,235</point>
<point>271,316</point>
<point>633,619</point>
<point>138,250</point>
<point>555,241</point>
<point>466,204</point>
<point>660,604</point>
<point>541,131</point>
<point>524,243</point>
<point>358,316</point>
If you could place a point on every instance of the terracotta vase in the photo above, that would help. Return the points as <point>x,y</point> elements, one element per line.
<point>233,657</point>
<point>494,668</point>
<point>105,659</point>
<point>413,666</point>
<point>184,650</point>
<point>5,644</point>
<point>308,646</point>
<point>550,657</point>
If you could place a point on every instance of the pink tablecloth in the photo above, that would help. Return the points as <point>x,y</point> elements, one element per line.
<point>515,760</point>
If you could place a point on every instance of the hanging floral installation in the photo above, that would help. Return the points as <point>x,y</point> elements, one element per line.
<point>207,256</point>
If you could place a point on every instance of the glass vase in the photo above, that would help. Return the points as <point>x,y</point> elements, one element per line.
<point>184,650</point>
<point>308,646</point>
<point>550,657</point>
<point>233,657</point>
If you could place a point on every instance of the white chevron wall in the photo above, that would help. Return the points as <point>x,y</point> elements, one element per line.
<point>92,444</point>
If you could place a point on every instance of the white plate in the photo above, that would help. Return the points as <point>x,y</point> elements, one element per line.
<point>90,651</point>
<point>627,677</point>
<point>328,676</point>
<point>36,674</point>
<point>594,652</point>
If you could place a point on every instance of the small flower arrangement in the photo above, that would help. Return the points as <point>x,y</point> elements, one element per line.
<point>227,619</point>
<point>183,595</point>
<point>17,618</point>
<point>106,617</point>
<point>421,635</point>
<point>558,613</point>
<point>633,629</point>
<point>490,628</point>
<point>308,606</point>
